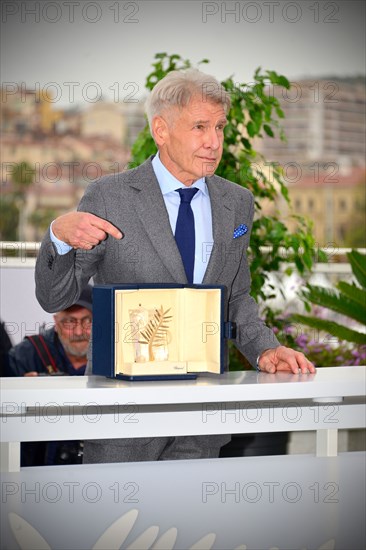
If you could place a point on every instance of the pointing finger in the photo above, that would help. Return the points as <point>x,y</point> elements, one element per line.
<point>107,227</point>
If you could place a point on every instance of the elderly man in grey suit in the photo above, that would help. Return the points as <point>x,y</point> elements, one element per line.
<point>126,231</point>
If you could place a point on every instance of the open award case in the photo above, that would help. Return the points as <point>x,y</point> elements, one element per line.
<point>147,332</point>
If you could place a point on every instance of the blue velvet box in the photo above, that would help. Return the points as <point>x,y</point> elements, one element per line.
<point>143,332</point>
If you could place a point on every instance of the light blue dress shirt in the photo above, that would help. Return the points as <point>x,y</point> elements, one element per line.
<point>201,207</point>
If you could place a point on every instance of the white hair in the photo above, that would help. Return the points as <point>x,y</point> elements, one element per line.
<point>177,88</point>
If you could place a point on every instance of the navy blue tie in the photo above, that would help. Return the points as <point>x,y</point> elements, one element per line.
<point>184,231</point>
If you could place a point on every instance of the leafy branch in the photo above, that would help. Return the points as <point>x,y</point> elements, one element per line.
<point>346,299</point>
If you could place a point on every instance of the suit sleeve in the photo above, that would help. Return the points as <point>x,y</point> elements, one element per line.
<point>61,278</point>
<point>253,336</point>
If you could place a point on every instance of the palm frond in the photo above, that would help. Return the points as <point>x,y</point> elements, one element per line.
<point>358,263</point>
<point>332,299</point>
<point>341,332</point>
<point>354,293</point>
<point>156,329</point>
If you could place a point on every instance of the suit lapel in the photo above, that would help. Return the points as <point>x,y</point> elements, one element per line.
<point>223,222</point>
<point>152,213</point>
<point>151,210</point>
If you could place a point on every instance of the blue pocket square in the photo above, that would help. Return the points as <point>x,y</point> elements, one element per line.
<point>240,230</point>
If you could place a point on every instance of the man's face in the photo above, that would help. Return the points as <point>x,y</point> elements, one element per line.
<point>73,327</point>
<point>191,138</point>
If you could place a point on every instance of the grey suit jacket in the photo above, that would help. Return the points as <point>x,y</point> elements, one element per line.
<point>148,253</point>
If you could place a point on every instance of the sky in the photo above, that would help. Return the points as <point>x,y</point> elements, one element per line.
<point>83,50</point>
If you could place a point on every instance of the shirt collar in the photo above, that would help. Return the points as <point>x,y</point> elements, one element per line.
<point>169,183</point>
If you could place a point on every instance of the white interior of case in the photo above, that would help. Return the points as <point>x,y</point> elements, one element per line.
<point>194,333</point>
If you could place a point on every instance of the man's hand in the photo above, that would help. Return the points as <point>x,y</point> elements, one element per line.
<point>285,359</point>
<point>83,230</point>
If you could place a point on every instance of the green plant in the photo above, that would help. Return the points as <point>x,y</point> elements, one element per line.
<point>322,349</point>
<point>326,351</point>
<point>9,219</point>
<point>356,229</point>
<point>346,299</point>
<point>40,219</point>
<point>22,176</point>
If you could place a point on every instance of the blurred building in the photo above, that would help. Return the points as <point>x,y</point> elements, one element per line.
<point>67,149</point>
<point>70,122</point>
<point>64,165</point>
<point>324,121</point>
<point>323,157</point>
<point>24,110</point>
<point>104,119</point>
<point>35,112</point>
<point>336,207</point>
<point>135,119</point>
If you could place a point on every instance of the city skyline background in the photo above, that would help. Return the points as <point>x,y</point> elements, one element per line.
<point>105,49</point>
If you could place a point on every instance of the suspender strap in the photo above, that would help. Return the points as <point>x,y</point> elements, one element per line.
<point>43,352</point>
